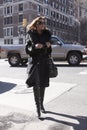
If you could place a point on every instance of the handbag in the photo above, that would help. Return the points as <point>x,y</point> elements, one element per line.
<point>53,72</point>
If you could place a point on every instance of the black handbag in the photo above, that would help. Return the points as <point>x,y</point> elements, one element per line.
<point>53,72</point>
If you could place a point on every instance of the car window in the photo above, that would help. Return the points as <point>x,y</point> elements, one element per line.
<point>54,41</point>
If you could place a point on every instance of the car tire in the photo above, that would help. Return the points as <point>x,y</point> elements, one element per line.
<point>74,58</point>
<point>14,59</point>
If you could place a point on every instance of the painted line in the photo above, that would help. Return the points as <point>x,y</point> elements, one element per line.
<point>83,72</point>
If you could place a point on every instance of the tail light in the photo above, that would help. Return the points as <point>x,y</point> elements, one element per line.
<point>1,50</point>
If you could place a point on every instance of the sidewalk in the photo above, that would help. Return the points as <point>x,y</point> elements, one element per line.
<point>22,97</point>
<point>19,106</point>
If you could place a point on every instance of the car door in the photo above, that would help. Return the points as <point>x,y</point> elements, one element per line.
<point>58,50</point>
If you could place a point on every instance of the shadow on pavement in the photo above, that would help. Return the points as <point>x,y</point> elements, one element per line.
<point>4,86</point>
<point>20,66</point>
<point>81,125</point>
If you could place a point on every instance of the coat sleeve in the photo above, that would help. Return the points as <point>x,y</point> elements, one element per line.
<point>29,47</point>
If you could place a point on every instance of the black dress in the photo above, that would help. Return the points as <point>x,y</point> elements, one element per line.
<point>39,56</point>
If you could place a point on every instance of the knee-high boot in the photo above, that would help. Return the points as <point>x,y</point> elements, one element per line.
<point>42,92</point>
<point>36,90</point>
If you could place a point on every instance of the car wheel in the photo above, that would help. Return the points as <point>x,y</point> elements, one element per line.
<point>14,59</point>
<point>74,58</point>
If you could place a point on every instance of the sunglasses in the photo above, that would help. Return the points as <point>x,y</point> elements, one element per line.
<point>41,22</point>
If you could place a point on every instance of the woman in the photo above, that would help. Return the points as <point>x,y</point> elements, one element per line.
<point>38,47</point>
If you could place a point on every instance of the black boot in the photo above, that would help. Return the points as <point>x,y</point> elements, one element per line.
<point>36,90</point>
<point>43,109</point>
<point>42,91</point>
<point>38,112</point>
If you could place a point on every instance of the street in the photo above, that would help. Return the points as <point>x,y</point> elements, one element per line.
<point>65,99</point>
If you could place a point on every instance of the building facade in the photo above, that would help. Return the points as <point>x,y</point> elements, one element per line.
<point>61,17</point>
<point>83,22</point>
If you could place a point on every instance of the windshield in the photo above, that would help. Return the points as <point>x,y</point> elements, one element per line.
<point>60,39</point>
<point>55,40</point>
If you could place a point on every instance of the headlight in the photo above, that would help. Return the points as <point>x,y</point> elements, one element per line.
<point>85,50</point>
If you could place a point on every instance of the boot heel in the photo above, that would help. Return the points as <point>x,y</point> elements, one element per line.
<point>38,113</point>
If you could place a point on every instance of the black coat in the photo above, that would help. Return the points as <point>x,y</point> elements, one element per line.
<point>39,57</point>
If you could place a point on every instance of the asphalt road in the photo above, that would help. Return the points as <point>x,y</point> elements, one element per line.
<point>66,109</point>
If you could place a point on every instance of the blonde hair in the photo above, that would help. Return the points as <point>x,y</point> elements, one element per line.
<point>34,23</point>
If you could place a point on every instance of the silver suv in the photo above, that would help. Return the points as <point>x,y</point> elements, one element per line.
<point>65,51</point>
<point>60,50</point>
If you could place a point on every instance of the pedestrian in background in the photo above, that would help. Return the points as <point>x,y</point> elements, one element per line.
<point>38,47</point>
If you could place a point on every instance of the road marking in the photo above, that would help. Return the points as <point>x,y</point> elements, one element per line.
<point>22,97</point>
<point>83,72</point>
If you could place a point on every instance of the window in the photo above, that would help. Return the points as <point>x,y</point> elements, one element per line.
<point>8,31</point>
<point>7,20</point>
<point>7,1</point>
<point>8,41</point>
<point>46,1</point>
<point>4,32</point>
<point>11,31</point>
<point>53,4</point>
<point>8,10</point>
<point>20,7</point>
<point>11,41</point>
<point>20,18</point>
<point>53,14</point>
<point>38,8</point>
<point>5,11</point>
<point>57,40</point>
<point>57,15</point>
<point>5,41</point>
<point>21,41</point>
<point>45,11</point>
<point>58,24</point>
<point>48,22</point>
<point>54,41</point>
